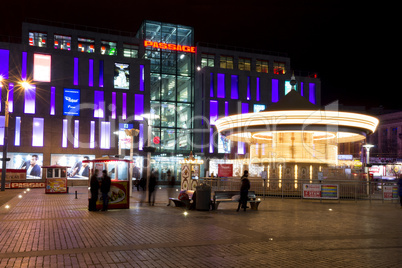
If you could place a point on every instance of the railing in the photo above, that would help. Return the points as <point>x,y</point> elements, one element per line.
<point>285,188</point>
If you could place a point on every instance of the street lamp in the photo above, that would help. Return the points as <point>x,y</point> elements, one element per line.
<point>368,147</point>
<point>25,85</point>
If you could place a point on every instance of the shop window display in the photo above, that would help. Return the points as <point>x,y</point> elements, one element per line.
<point>62,42</point>
<point>86,45</point>
<point>37,39</point>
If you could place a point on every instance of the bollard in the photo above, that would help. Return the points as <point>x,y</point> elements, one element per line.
<point>75,194</point>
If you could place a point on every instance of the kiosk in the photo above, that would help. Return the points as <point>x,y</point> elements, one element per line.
<point>118,170</point>
<point>56,179</point>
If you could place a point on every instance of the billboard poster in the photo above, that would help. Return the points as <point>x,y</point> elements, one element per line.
<point>31,162</point>
<point>74,161</point>
<point>71,102</point>
<point>223,145</point>
<point>121,75</point>
<point>321,191</point>
<point>124,139</point>
<point>311,191</point>
<point>225,170</point>
<point>390,192</point>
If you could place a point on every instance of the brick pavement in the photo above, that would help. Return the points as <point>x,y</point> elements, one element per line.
<point>40,230</point>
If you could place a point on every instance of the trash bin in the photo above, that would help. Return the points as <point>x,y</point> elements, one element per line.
<point>203,197</point>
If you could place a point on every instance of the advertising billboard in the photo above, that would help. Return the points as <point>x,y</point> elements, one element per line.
<point>121,76</point>
<point>71,102</point>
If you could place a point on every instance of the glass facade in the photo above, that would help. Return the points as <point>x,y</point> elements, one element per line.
<point>172,85</point>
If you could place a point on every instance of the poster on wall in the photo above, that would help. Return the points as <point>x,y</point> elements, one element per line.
<point>31,162</point>
<point>121,75</point>
<point>223,145</point>
<point>71,102</point>
<point>225,170</point>
<point>77,169</point>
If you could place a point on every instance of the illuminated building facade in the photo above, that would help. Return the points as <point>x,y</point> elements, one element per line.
<point>88,85</point>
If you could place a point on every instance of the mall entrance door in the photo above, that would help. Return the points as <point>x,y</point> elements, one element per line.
<point>166,166</point>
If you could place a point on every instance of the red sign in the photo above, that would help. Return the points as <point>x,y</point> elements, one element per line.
<point>225,170</point>
<point>18,185</point>
<point>170,46</point>
<point>157,140</point>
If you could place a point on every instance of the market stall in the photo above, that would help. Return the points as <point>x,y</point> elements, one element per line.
<point>56,179</point>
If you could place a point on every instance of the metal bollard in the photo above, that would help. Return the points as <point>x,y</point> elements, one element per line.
<point>76,195</point>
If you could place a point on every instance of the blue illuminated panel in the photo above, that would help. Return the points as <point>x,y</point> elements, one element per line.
<point>71,102</point>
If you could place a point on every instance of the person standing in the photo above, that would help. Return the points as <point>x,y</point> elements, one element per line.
<point>105,188</point>
<point>94,184</point>
<point>245,186</point>
<point>151,189</point>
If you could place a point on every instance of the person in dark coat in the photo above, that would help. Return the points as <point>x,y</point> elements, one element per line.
<point>245,186</point>
<point>105,188</point>
<point>151,189</point>
<point>94,184</point>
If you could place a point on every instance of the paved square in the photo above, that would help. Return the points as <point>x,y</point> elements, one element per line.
<point>39,230</point>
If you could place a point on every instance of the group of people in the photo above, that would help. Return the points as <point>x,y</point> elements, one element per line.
<point>104,187</point>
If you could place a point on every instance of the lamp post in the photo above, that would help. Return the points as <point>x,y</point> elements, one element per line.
<point>368,147</point>
<point>24,85</point>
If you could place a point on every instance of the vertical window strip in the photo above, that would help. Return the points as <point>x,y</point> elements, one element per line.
<point>75,71</point>
<point>302,89</point>
<point>10,98</point>
<point>275,90</point>
<point>234,87</point>
<point>24,66</point>
<point>76,133</point>
<point>311,93</point>
<point>141,138</point>
<point>52,101</point>
<point>142,76</point>
<point>138,106</point>
<point>64,135</point>
<point>248,88</point>
<point>99,104</point>
<point>211,140</point>
<point>92,135</point>
<point>213,111</point>
<point>221,86</point>
<point>258,98</point>
<point>17,137</point>
<point>37,132</point>
<point>105,135</point>
<point>2,124</point>
<point>4,63</point>
<point>29,106</point>
<point>211,85</point>
<point>91,73</point>
<point>101,73</point>
<point>114,105</point>
<point>226,108</point>
<point>124,107</point>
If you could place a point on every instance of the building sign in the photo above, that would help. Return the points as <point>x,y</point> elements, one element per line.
<point>19,185</point>
<point>170,46</point>
<point>225,170</point>
<point>71,102</point>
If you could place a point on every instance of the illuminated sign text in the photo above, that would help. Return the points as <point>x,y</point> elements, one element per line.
<point>170,46</point>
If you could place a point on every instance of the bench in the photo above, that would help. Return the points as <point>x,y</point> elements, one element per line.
<point>182,203</point>
<point>226,196</point>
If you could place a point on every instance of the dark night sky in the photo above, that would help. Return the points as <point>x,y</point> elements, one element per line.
<point>351,46</point>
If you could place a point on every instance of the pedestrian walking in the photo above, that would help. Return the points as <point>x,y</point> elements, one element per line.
<point>105,188</point>
<point>94,184</point>
<point>151,189</point>
<point>245,186</point>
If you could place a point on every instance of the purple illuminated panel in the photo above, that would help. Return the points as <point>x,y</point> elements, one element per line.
<point>92,135</point>
<point>248,89</point>
<point>234,87</point>
<point>226,108</point>
<point>141,137</point>
<point>258,98</point>
<point>302,88</point>
<point>52,101</point>
<point>76,133</point>
<point>138,106</point>
<point>221,86</point>
<point>37,132</point>
<point>99,104</point>
<point>2,122</point>
<point>29,107</point>
<point>101,73</point>
<point>64,134</point>
<point>113,105</point>
<point>213,111</point>
<point>10,98</point>
<point>142,75</point>
<point>24,66</point>
<point>4,63</point>
<point>244,108</point>
<point>124,107</point>
<point>17,136</point>
<point>241,147</point>
<point>105,135</point>
<point>75,71</point>
<point>275,90</point>
<point>311,92</point>
<point>211,140</point>
<point>91,73</point>
<point>211,85</point>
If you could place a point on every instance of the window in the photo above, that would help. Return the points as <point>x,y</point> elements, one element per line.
<point>226,62</point>
<point>42,67</point>
<point>221,86</point>
<point>62,42</point>
<point>138,106</point>
<point>130,51</point>
<point>121,75</point>
<point>99,104</point>
<point>207,60</point>
<point>108,48</point>
<point>92,135</point>
<point>64,135</point>
<point>76,133</point>
<point>244,64</point>
<point>262,66</point>
<point>17,138</point>
<point>37,132</point>
<point>29,106</point>
<point>52,101</point>
<point>105,135</point>
<point>234,87</point>
<point>279,67</point>
<point>37,39</point>
<point>86,45</point>
<point>213,111</point>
